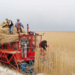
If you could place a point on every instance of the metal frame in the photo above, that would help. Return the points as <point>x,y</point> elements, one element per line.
<point>16,53</point>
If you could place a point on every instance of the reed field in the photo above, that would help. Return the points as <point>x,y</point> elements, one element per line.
<point>60,57</point>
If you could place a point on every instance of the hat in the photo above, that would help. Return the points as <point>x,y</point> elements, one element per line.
<point>24,35</point>
<point>18,19</point>
<point>6,19</point>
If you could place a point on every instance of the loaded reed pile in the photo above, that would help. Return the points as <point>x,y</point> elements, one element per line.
<point>5,37</point>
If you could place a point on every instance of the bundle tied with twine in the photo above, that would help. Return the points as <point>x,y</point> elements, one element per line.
<point>5,37</point>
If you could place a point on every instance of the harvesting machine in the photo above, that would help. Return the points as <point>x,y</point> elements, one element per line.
<point>12,56</point>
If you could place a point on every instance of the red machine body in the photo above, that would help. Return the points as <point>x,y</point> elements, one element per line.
<point>13,56</point>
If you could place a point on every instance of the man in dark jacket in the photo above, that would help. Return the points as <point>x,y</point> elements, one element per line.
<point>9,23</point>
<point>43,44</point>
<point>11,27</point>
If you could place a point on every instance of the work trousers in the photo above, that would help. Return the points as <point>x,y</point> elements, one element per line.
<point>24,52</point>
<point>11,29</point>
<point>20,30</point>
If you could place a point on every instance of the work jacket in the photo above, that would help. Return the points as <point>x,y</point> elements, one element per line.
<point>23,41</point>
<point>20,25</point>
<point>10,24</point>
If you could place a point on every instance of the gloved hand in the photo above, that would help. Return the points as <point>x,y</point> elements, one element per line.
<point>4,26</point>
<point>19,46</point>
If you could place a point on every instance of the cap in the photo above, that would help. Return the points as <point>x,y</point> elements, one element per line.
<point>18,19</point>
<point>6,19</point>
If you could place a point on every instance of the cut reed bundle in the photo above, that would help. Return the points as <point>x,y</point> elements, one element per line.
<point>5,37</point>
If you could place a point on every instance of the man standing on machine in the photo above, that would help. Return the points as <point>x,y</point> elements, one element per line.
<point>23,45</point>
<point>20,25</point>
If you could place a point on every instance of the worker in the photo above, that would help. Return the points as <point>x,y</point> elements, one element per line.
<point>11,26</point>
<point>32,33</point>
<point>23,45</point>
<point>6,24</point>
<point>43,44</point>
<point>9,23</point>
<point>20,25</point>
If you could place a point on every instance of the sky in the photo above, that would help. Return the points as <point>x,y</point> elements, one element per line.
<point>41,15</point>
